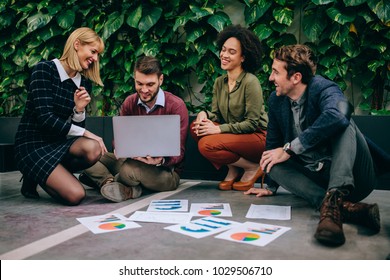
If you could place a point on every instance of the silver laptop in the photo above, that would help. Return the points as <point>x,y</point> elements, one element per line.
<point>141,136</point>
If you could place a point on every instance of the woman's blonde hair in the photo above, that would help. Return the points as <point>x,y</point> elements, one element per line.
<point>85,36</point>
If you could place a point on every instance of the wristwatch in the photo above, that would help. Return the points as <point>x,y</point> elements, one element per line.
<point>287,149</point>
<point>75,111</point>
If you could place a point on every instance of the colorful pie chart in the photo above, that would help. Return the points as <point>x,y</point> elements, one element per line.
<point>209,212</point>
<point>112,226</point>
<point>245,236</point>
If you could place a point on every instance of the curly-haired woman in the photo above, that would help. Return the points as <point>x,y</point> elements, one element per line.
<point>233,132</point>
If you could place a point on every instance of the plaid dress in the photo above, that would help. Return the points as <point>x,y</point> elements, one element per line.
<point>41,140</point>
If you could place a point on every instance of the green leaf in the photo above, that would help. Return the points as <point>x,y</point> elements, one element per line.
<point>66,19</point>
<point>373,65</point>
<point>283,15</point>
<point>331,73</point>
<point>201,12</point>
<point>150,48</point>
<point>54,8</point>
<point>382,9</point>
<point>219,21</point>
<point>254,12</point>
<point>352,3</point>
<point>351,46</point>
<point>48,33</point>
<point>6,51</point>
<point>26,8</point>
<point>322,2</point>
<point>339,16</point>
<point>6,19</point>
<point>20,58</point>
<point>263,31</point>
<point>37,21</point>
<point>150,18</point>
<point>117,49</point>
<point>338,34</point>
<point>114,22</point>
<point>314,23</point>
<point>134,17</point>
<point>367,92</point>
<point>194,33</point>
<point>181,21</point>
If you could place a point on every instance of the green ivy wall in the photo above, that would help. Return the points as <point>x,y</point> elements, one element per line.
<point>351,38</point>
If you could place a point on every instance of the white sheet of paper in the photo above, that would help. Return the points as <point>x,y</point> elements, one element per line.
<point>161,217</point>
<point>203,227</point>
<point>253,233</point>
<point>211,209</point>
<point>271,212</point>
<point>107,223</point>
<point>168,205</point>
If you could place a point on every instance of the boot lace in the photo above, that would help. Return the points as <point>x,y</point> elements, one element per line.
<point>331,206</point>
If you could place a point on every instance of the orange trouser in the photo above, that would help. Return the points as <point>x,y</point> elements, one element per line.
<point>226,148</point>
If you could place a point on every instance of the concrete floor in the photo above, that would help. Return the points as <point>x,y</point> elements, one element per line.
<point>42,229</point>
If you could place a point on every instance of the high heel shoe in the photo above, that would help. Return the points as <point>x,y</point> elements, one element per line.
<point>244,186</point>
<point>226,185</point>
<point>29,188</point>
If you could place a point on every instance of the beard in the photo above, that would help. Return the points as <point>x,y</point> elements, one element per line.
<point>149,97</point>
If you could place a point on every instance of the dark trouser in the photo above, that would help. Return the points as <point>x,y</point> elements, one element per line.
<point>351,168</point>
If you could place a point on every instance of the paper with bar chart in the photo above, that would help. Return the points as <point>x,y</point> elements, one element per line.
<point>253,233</point>
<point>203,227</point>
<point>168,205</point>
<point>161,217</point>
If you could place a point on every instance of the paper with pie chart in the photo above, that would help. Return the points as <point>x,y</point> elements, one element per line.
<point>203,227</point>
<point>211,209</point>
<point>253,233</point>
<point>168,205</point>
<point>107,223</point>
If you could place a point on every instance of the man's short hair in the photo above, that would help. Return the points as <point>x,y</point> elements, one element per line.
<point>148,65</point>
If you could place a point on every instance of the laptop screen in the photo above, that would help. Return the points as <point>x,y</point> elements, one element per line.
<point>151,135</point>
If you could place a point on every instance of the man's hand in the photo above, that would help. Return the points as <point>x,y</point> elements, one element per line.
<point>150,160</point>
<point>258,192</point>
<point>272,157</point>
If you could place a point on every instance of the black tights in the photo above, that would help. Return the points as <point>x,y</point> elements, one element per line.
<point>61,184</point>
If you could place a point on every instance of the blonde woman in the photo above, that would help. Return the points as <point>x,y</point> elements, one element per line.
<point>51,142</point>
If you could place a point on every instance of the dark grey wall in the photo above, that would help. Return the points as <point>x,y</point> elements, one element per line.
<point>377,128</point>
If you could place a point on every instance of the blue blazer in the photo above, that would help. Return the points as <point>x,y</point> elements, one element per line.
<point>323,116</point>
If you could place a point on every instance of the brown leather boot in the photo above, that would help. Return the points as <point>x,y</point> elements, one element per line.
<point>362,214</point>
<point>330,227</point>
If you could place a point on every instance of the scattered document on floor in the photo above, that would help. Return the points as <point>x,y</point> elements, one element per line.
<point>253,233</point>
<point>203,227</point>
<point>168,205</point>
<point>107,223</point>
<point>161,217</point>
<point>211,209</point>
<point>271,212</point>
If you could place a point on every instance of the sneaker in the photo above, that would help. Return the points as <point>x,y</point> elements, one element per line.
<point>118,192</point>
<point>362,214</point>
<point>330,227</point>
